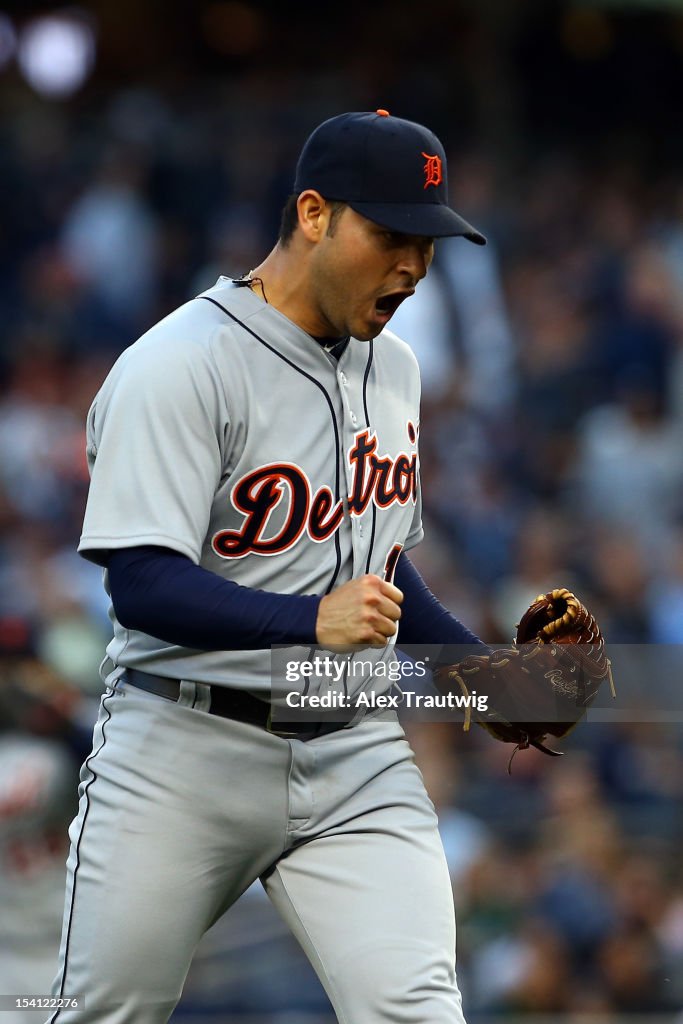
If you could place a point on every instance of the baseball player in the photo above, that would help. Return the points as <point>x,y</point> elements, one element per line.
<point>254,482</point>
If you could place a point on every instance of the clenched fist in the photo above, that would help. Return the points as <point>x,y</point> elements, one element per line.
<point>362,612</point>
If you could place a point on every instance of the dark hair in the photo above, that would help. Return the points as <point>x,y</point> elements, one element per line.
<point>290,218</point>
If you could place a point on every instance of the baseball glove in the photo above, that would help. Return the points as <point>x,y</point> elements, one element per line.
<point>543,684</point>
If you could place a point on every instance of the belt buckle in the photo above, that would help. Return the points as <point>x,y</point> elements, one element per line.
<point>282,733</point>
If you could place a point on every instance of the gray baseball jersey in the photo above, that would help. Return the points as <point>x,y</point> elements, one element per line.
<point>230,435</point>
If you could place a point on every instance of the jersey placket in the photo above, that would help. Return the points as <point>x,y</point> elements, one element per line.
<point>350,389</point>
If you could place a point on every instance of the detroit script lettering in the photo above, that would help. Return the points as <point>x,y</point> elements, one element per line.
<point>374,478</point>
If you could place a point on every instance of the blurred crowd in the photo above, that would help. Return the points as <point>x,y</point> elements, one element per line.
<point>552,365</point>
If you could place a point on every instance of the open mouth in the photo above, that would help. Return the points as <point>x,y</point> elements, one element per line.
<point>386,305</point>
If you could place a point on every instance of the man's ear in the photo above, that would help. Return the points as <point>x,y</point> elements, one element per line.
<point>314,215</point>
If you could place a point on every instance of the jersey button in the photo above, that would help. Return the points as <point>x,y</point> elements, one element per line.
<point>354,419</point>
<point>344,379</point>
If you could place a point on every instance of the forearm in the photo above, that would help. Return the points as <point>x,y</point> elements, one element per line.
<point>162,593</point>
<point>424,620</point>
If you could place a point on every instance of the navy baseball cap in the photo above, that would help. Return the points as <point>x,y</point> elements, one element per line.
<point>389,170</point>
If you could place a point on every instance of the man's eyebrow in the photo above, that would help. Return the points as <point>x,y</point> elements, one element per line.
<point>404,236</point>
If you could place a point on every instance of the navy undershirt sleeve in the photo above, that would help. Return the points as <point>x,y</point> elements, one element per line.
<point>162,593</point>
<point>425,621</point>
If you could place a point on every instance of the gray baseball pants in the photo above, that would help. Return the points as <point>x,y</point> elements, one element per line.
<point>181,810</point>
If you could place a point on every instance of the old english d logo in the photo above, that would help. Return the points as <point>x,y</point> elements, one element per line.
<point>432,170</point>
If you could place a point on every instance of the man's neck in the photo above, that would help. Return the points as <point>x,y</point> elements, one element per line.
<point>282,281</point>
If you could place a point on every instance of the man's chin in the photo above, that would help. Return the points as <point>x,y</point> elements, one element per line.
<point>368,331</point>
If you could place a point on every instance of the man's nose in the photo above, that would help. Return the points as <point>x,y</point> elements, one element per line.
<point>414,261</point>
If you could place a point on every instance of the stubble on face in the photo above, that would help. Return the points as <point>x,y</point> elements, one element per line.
<point>349,269</point>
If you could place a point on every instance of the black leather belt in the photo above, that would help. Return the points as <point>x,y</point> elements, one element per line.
<point>236,704</point>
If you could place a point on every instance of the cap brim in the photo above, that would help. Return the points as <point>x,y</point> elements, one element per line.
<point>434,220</point>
